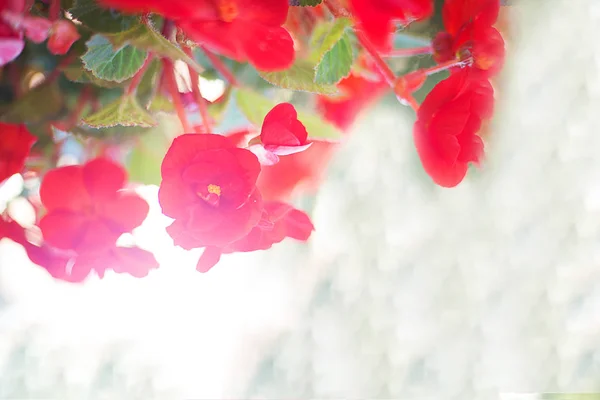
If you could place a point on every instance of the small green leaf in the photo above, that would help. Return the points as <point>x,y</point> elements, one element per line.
<point>161,104</point>
<point>125,111</point>
<point>111,64</point>
<point>255,107</point>
<point>148,85</point>
<point>76,73</point>
<point>147,38</point>
<point>326,35</point>
<point>100,19</point>
<point>336,63</point>
<point>300,76</point>
<point>304,3</point>
<point>37,105</point>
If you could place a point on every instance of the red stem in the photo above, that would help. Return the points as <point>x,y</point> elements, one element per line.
<point>447,65</point>
<point>54,11</point>
<point>220,67</point>
<point>200,101</point>
<point>137,78</point>
<point>409,52</point>
<point>171,82</point>
<point>404,98</point>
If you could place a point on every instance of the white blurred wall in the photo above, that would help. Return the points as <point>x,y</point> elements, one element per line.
<point>406,290</point>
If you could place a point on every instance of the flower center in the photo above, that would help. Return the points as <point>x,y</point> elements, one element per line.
<point>227,10</point>
<point>210,194</point>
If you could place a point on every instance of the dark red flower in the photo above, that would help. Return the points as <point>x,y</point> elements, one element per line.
<point>209,188</point>
<point>447,124</point>
<point>279,220</point>
<point>15,144</point>
<point>62,35</point>
<point>87,208</point>
<point>469,32</point>
<point>245,31</point>
<point>376,17</point>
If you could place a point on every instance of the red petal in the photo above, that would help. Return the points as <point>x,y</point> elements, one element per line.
<point>281,127</point>
<point>134,261</point>
<point>434,155</point>
<point>63,229</point>
<point>96,238</point>
<point>209,258</point>
<point>175,197</point>
<point>63,188</point>
<point>485,44</point>
<point>15,146</point>
<point>220,37</point>
<point>126,212</point>
<point>268,12</point>
<point>36,28</point>
<point>298,225</point>
<point>268,48</point>
<point>10,48</point>
<point>103,178</point>
<point>63,35</point>
<point>457,13</point>
<point>185,149</point>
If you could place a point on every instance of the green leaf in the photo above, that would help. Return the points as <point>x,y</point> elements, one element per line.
<point>75,72</point>
<point>161,104</point>
<point>336,63</point>
<point>148,85</point>
<point>112,64</point>
<point>326,35</point>
<point>37,105</point>
<point>300,76</point>
<point>146,158</point>
<point>255,107</point>
<point>101,19</point>
<point>125,111</point>
<point>304,3</point>
<point>147,38</point>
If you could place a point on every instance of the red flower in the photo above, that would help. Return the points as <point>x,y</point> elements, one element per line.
<point>282,134</point>
<point>172,9</point>
<point>376,17</point>
<point>279,220</point>
<point>62,35</point>
<point>209,188</point>
<point>245,30</point>
<point>15,144</point>
<point>445,133</point>
<point>238,29</point>
<point>469,32</point>
<point>87,208</point>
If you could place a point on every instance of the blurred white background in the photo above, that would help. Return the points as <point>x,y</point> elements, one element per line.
<point>405,291</point>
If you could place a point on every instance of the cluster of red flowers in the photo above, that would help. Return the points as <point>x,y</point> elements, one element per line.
<point>226,193</point>
<point>15,24</point>
<point>242,30</point>
<point>209,188</point>
<point>448,121</point>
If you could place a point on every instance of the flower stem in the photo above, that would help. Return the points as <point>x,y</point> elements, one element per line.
<point>200,101</point>
<point>447,65</point>
<point>404,98</point>
<point>171,83</point>
<point>54,10</point>
<point>137,78</point>
<point>409,52</point>
<point>220,67</point>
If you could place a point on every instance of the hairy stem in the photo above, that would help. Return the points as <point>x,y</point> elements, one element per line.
<point>200,101</point>
<point>220,67</point>
<point>171,83</point>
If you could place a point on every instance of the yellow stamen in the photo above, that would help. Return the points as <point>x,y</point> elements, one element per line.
<point>214,189</point>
